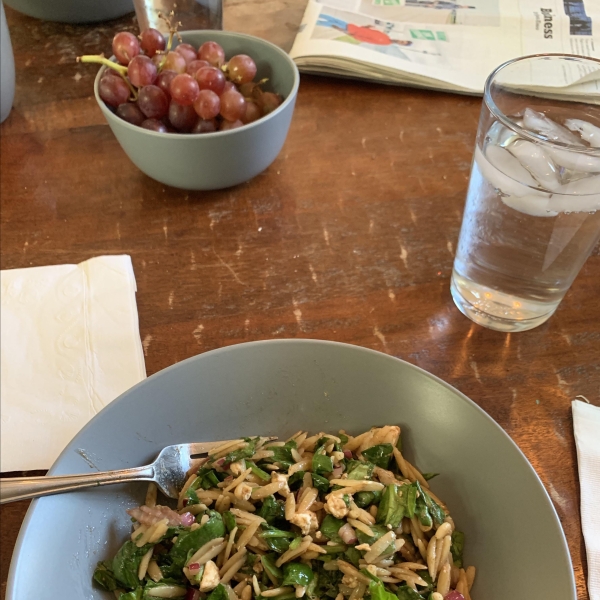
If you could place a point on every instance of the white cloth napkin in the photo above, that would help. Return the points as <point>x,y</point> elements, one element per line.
<point>70,344</point>
<point>586,423</point>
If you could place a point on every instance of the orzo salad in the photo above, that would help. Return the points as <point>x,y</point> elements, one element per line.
<point>326,516</point>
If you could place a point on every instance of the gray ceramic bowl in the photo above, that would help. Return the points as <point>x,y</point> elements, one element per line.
<point>513,535</point>
<point>222,159</point>
<point>73,11</point>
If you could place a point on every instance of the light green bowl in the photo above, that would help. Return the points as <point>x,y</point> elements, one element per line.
<point>222,159</point>
<point>513,534</point>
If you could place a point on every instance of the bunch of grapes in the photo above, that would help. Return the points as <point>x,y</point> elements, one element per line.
<point>181,90</point>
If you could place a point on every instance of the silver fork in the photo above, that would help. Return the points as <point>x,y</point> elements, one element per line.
<point>169,471</point>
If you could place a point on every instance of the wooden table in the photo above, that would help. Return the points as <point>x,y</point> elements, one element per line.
<point>350,236</point>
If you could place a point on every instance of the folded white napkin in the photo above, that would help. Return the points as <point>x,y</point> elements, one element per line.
<point>586,423</point>
<point>70,344</point>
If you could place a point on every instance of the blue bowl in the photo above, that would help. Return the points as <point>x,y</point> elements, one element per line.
<point>222,159</point>
<point>73,11</point>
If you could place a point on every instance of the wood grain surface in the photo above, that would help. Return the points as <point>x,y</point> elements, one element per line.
<point>350,236</point>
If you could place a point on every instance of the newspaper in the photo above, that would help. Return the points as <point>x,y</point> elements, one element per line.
<point>450,45</point>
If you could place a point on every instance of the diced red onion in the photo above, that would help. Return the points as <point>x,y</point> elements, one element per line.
<point>194,566</point>
<point>192,594</point>
<point>347,454</point>
<point>348,535</point>
<point>454,595</point>
<point>337,472</point>
<point>187,519</point>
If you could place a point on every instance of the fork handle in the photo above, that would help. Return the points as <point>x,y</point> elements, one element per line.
<point>22,488</point>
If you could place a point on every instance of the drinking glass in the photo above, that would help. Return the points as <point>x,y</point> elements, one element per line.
<point>192,14</point>
<point>532,214</point>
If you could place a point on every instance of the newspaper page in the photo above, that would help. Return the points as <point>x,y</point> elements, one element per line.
<point>445,44</point>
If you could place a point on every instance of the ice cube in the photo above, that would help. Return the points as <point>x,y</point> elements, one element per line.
<point>500,135</point>
<point>582,162</point>
<point>582,195</point>
<point>512,170</point>
<point>493,166</point>
<point>540,123</point>
<point>533,158</point>
<point>590,133</point>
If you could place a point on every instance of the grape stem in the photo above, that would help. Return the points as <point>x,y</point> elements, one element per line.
<point>120,69</point>
<point>172,32</point>
<point>102,60</point>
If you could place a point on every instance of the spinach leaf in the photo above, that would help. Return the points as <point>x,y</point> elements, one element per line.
<point>399,442</point>
<point>297,574</point>
<point>245,452</point>
<point>191,497</point>
<point>405,592</point>
<point>457,547</point>
<point>422,512</point>
<point>283,454</point>
<point>320,483</point>
<point>194,540</point>
<point>104,576</point>
<point>343,438</point>
<point>295,480</point>
<point>228,520</point>
<point>326,584</point>
<point>335,549</point>
<point>322,463</point>
<point>330,527</point>
<point>273,532</point>
<point>379,455</point>
<point>391,508</point>
<point>136,594</point>
<point>364,499</point>
<point>428,476</point>
<point>126,562</point>
<point>268,562</point>
<point>408,493</point>
<point>378,530</point>
<point>272,511</point>
<point>206,479</point>
<point>353,556</point>
<point>426,577</point>
<point>377,589</point>
<point>258,471</point>
<point>219,593</point>
<point>435,510</point>
<point>360,470</point>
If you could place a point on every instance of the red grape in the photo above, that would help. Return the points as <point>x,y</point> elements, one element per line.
<point>247,89</point>
<point>230,86</point>
<point>184,89</point>
<point>153,102</point>
<point>252,112</point>
<point>154,125</point>
<point>181,117</point>
<point>113,90</point>
<point>152,42</point>
<point>227,125</point>
<point>187,51</point>
<point>130,112</point>
<point>125,46</point>
<point>203,126</point>
<point>207,105</point>
<point>212,53</point>
<point>163,81</point>
<point>175,62</point>
<point>268,102</point>
<point>241,69</point>
<point>141,71</point>
<point>233,105</point>
<point>194,66</point>
<point>210,78</point>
